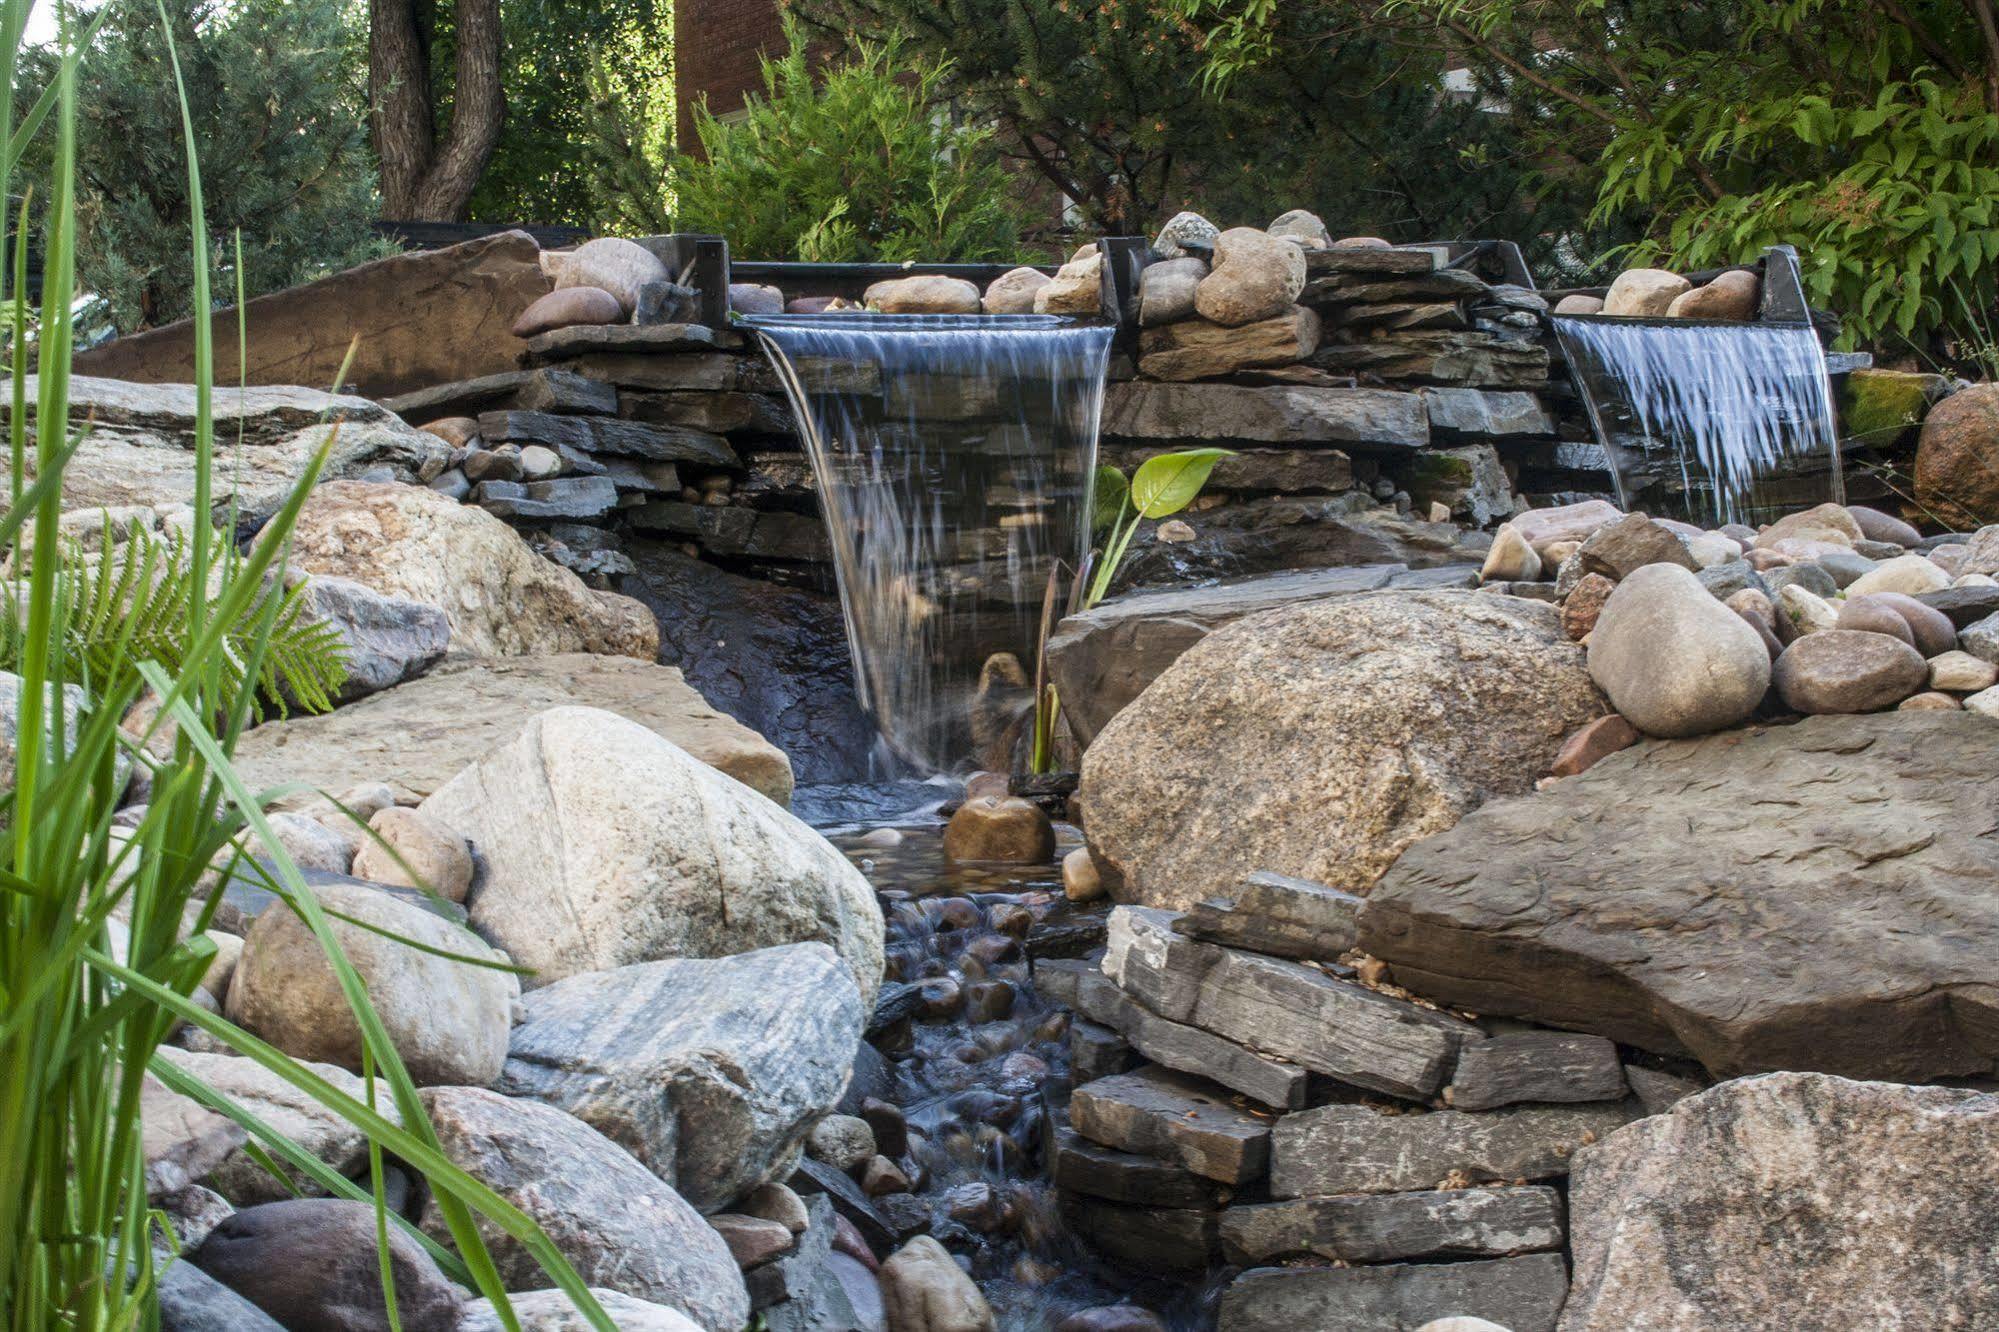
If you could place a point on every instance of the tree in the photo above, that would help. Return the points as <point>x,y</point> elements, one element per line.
<point>426,177</point>
<point>1106,103</point>
<point>862,164</point>
<point>273,92</point>
<point>1863,132</point>
<point>590,114</point>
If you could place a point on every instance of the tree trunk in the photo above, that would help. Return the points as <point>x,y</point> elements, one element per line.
<point>423,179</point>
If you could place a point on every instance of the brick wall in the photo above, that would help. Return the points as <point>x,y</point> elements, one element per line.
<point>716,46</point>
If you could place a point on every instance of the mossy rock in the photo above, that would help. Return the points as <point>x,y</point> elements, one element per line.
<point>1877,407</point>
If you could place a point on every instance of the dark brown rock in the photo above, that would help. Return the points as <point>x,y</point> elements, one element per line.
<point>311,1263</point>
<point>1739,932</point>
<point>1584,603</point>
<point>1594,743</point>
<point>1147,1238</point>
<point>995,828</point>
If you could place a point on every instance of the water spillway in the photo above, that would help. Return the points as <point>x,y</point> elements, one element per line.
<point>953,457</point>
<point>1707,421</point>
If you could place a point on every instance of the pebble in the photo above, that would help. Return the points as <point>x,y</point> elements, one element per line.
<point>1844,566</point>
<point>1933,631</point>
<point>1962,673</point>
<point>1803,613</point>
<point>1811,577</point>
<point>1840,670</point>
<point>841,1141</point>
<point>1080,880</point>
<point>1584,604</point>
<point>751,1239</point>
<point>881,1177</point>
<point>1929,702</point>
<point>1004,829</point>
<point>777,1202</point>
<point>939,998</point>
<point>1672,659</point>
<point>1908,574</point>
<point>1878,526</point>
<point>1985,702</point>
<point>989,1000</point>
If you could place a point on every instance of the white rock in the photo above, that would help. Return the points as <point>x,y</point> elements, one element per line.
<point>1807,612</point>
<point>1911,575</point>
<point>1012,292</point>
<point>1302,228</point>
<point>1712,548</point>
<point>619,266</point>
<point>1643,291</point>
<point>1985,703</point>
<point>1511,559</point>
<point>1962,673</point>
<point>1182,230</point>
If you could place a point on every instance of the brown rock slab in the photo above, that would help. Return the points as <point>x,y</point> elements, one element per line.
<point>1197,349</point>
<point>1157,1112</point>
<point>1662,900</point>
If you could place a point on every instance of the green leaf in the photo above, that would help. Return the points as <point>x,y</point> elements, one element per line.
<point>1108,491</point>
<point>1168,483</point>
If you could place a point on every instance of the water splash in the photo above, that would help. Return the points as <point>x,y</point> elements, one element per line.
<point>953,456</point>
<point>1713,423</point>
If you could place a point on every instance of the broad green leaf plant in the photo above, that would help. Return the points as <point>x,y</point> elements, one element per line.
<point>1158,488</point>
<point>103,930</point>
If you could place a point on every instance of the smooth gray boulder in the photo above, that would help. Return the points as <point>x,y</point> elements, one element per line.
<point>386,639</point>
<point>1736,897</point>
<point>1674,660</point>
<point>606,844</point>
<point>709,1072</point>
<point>1791,1199</point>
<point>609,1216</point>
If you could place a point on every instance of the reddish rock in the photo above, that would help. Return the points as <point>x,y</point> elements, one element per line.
<point>1585,603</point>
<point>1594,743</point>
<point>568,307</point>
<point>1957,458</point>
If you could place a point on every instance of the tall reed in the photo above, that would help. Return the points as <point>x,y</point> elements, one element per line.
<point>102,937</point>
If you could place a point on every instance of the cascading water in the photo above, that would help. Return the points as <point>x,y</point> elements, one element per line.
<point>953,456</point>
<point>1714,423</point>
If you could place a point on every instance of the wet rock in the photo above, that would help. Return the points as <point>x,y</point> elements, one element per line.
<point>881,1177</point>
<point>606,844</point>
<point>570,305</point>
<point>844,1142</point>
<point>1147,1239</point>
<point>1644,291</point>
<point>1745,955</point>
<point>1632,542</point>
<point>415,850</point>
<point>1955,473</point>
<point>1112,1318</point>
<point>312,1264</point>
<point>924,1290</point>
<point>1522,1294</point>
<point>1166,290</point>
<point>1840,670</point>
<point>1732,295</point>
<point>611,1219</point>
<point>1339,1149</point>
<point>448,1019</point>
<point>1012,292</point>
<point>1157,1112</point>
<point>709,1072</point>
<point>551,1311</point>
<point>500,597</point>
<point>989,1001</point>
<point>1910,575</point>
<point>1594,743</point>
<point>923,294</point>
<point>1544,1066</point>
<point>1006,829</point>
<point>1254,276</point>
<point>1691,1219</point>
<point>1390,713</point>
<point>1082,1166</point>
<point>1396,1227</point>
<point>1672,659</point>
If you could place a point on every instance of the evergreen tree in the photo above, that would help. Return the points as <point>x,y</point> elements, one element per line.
<point>279,123</point>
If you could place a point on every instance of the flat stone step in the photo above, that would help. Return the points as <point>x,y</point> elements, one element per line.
<point>1279,915</point>
<point>577,339</point>
<point>542,390</point>
<point>1396,1227</point>
<point>1157,1112</point>
<point>571,498</point>
<point>599,434</point>
<point>1339,1149</point>
<point>1082,1166</point>
<point>1555,1066</point>
<point>1383,418</point>
<point>1522,1294</point>
<point>1149,1239</point>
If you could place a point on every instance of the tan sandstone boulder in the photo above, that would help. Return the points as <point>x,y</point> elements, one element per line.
<point>1322,739</point>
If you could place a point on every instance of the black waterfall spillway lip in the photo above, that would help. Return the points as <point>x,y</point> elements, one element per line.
<point>953,457</point>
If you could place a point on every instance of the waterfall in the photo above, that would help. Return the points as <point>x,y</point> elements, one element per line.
<point>953,457</point>
<point>1721,422</point>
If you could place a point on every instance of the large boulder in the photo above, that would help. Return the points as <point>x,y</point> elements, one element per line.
<point>616,1224</point>
<point>1674,660</point>
<point>421,734</point>
<point>501,597</point>
<point>709,1072</point>
<point>1957,458</point>
<point>1791,1200</point>
<point>448,1019</point>
<point>1103,658</point>
<point>1254,276</point>
<point>1321,740</point>
<point>398,324</point>
<point>139,449</point>
<point>606,844</point>
<point>1819,896</point>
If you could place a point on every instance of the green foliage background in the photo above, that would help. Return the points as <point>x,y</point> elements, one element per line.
<point>859,163</point>
<point>275,95</point>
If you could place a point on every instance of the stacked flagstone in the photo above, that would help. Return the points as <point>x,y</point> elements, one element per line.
<point>1246,1096</point>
